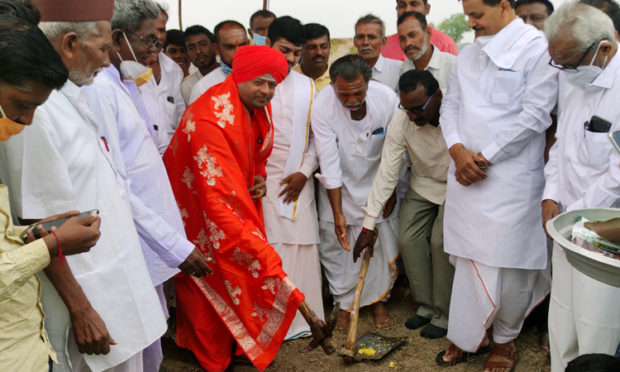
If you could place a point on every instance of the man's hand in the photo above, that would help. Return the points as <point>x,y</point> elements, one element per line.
<point>340,223</point>
<point>294,184</point>
<point>196,264</point>
<point>389,205</point>
<point>366,240</point>
<point>550,209</point>
<point>91,334</point>
<point>468,165</point>
<point>78,234</point>
<point>259,189</point>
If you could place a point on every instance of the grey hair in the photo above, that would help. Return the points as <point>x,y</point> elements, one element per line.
<point>83,29</point>
<point>129,14</point>
<point>371,18</point>
<point>585,24</point>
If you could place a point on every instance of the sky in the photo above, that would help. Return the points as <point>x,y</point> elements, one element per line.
<point>338,16</point>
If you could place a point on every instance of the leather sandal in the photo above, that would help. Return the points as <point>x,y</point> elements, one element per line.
<point>463,356</point>
<point>503,351</point>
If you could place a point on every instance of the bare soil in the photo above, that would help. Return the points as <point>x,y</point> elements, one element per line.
<point>418,354</point>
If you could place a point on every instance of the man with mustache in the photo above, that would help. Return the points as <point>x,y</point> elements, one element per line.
<point>369,40</point>
<point>414,35</point>
<point>494,116</point>
<point>174,47</point>
<point>315,55</point>
<point>439,39</point>
<point>229,37</point>
<point>103,301</point>
<point>349,120</point>
<point>289,207</point>
<point>201,52</point>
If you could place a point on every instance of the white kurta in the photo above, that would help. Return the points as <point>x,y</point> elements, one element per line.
<point>155,211</point>
<point>387,71</point>
<point>164,100</point>
<point>349,156</point>
<point>188,84</point>
<point>583,172</point>
<point>296,241</point>
<point>212,78</point>
<point>66,166</point>
<point>498,102</point>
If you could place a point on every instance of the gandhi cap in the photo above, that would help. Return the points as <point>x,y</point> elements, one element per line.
<point>75,10</point>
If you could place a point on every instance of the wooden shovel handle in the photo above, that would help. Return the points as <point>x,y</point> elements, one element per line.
<point>349,349</point>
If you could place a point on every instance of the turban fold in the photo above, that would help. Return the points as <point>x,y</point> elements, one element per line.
<point>252,61</point>
<point>75,10</point>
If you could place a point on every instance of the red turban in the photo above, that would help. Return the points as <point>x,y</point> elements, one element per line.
<point>75,10</point>
<point>252,61</point>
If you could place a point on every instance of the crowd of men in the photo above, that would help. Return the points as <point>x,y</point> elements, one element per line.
<point>241,166</point>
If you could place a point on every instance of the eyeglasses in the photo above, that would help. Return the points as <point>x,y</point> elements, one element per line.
<point>574,66</point>
<point>418,109</point>
<point>150,41</point>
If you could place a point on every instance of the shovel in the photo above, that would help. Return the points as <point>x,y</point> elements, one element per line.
<point>370,346</point>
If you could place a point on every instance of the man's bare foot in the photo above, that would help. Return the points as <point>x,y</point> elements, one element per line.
<point>342,324</point>
<point>503,358</point>
<point>382,317</point>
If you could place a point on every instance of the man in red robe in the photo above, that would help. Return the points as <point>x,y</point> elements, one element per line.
<point>216,164</point>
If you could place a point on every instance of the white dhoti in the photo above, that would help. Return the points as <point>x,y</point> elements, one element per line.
<point>302,265</point>
<point>342,272</point>
<point>584,314</point>
<point>484,295</point>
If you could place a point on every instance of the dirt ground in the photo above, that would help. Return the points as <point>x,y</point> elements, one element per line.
<point>418,354</point>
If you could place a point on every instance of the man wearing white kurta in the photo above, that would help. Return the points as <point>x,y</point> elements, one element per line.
<point>349,120</point>
<point>289,208</point>
<point>582,172</point>
<point>494,117</point>
<point>212,78</point>
<point>155,211</point>
<point>67,150</point>
<point>164,101</point>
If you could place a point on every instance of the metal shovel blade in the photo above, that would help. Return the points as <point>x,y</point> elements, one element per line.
<point>372,346</point>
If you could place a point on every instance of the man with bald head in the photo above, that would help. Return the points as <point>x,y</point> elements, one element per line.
<point>442,41</point>
<point>216,164</point>
<point>103,301</point>
<point>229,36</point>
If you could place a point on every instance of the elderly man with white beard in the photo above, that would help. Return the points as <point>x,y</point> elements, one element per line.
<point>103,301</point>
<point>582,172</point>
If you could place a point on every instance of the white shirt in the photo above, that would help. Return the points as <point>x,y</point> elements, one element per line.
<point>429,164</point>
<point>498,102</point>
<point>583,170</point>
<point>65,166</point>
<point>440,65</point>
<point>164,101</point>
<point>292,102</point>
<point>155,211</point>
<point>387,71</point>
<point>188,84</point>
<point>212,78</point>
<point>349,152</point>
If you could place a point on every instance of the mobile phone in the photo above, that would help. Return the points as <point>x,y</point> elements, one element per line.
<point>598,125</point>
<point>49,224</point>
<point>614,137</point>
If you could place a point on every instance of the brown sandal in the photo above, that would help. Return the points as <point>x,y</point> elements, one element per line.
<point>508,358</point>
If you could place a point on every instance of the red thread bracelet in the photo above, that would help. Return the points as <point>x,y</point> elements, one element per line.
<point>60,255</point>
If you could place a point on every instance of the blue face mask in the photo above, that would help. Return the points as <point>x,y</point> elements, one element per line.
<point>225,68</point>
<point>259,39</point>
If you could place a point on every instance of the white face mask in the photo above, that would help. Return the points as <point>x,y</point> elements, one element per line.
<point>134,71</point>
<point>585,75</point>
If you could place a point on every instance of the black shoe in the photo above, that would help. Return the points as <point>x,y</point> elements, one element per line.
<point>416,322</point>
<point>432,331</point>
